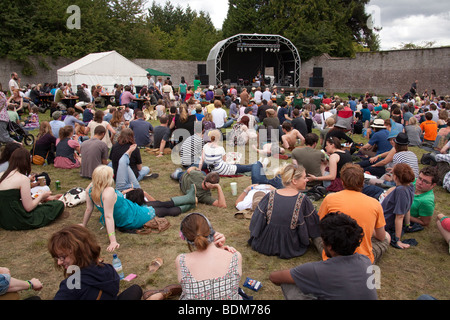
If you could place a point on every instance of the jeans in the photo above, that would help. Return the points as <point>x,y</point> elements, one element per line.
<point>227,124</point>
<point>125,177</point>
<point>241,168</point>
<point>259,177</point>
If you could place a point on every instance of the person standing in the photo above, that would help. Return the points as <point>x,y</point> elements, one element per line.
<point>4,119</point>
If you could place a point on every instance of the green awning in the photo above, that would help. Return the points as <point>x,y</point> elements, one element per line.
<point>156,73</point>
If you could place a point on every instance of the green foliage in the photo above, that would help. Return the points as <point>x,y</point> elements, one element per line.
<point>335,27</point>
<point>39,28</point>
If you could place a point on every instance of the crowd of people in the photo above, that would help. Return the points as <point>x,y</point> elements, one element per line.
<point>372,193</point>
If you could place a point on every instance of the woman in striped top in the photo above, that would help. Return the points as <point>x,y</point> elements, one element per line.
<point>213,156</point>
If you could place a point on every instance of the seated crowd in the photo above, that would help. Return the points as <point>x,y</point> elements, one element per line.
<point>373,193</point>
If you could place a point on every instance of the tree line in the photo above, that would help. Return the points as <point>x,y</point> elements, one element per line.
<point>137,29</point>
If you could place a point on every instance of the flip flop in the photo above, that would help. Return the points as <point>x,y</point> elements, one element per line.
<point>155,265</point>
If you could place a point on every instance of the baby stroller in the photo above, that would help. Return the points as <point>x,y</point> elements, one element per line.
<point>18,133</point>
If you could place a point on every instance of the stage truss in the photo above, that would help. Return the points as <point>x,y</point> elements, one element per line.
<point>273,43</point>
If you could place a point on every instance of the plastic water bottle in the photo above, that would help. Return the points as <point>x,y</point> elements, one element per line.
<point>117,264</point>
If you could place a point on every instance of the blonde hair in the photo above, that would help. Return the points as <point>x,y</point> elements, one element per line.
<point>214,135</point>
<point>412,121</point>
<point>289,172</point>
<point>102,177</point>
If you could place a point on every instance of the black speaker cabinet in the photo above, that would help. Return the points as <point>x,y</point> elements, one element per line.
<point>316,82</point>
<point>201,69</point>
<point>204,78</point>
<point>317,72</point>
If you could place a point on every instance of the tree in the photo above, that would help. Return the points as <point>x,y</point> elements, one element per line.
<point>313,26</point>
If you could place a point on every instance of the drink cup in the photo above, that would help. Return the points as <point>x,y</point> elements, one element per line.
<point>233,188</point>
<point>41,181</point>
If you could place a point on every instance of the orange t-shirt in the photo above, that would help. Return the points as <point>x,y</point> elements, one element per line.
<point>366,210</point>
<point>429,129</point>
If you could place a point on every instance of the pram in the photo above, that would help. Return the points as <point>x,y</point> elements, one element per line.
<point>18,133</point>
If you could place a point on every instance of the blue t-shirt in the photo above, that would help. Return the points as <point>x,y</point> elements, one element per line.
<point>380,138</point>
<point>352,104</point>
<point>282,114</point>
<point>365,115</point>
<point>141,129</point>
<point>399,201</point>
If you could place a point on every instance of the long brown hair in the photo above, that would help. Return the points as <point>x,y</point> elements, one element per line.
<point>78,242</point>
<point>44,128</point>
<point>126,136</point>
<point>65,132</point>
<point>20,160</point>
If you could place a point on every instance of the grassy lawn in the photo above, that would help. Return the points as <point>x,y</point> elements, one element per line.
<point>405,274</point>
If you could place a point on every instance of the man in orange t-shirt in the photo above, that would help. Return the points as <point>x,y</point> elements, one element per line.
<point>366,210</point>
<point>429,128</point>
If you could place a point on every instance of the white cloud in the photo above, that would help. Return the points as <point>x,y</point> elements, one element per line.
<point>417,29</point>
<point>217,9</point>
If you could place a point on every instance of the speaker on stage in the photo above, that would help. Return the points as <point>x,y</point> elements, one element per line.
<point>317,72</point>
<point>204,79</point>
<point>316,82</point>
<point>201,69</point>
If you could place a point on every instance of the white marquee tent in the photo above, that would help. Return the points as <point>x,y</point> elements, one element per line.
<point>104,68</point>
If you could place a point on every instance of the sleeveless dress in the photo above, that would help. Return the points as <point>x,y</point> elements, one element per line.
<point>282,225</point>
<point>127,214</point>
<point>13,215</point>
<point>220,288</point>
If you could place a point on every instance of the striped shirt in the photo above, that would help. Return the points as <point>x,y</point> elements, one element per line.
<point>214,159</point>
<point>191,150</point>
<point>409,158</point>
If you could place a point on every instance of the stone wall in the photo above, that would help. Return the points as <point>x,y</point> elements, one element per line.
<point>383,72</point>
<point>377,72</point>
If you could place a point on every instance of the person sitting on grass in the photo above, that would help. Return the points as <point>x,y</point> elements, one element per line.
<point>209,263</point>
<point>285,219</point>
<point>67,150</point>
<point>77,246</point>
<point>397,202</point>
<point>341,235</point>
<point>118,211</point>
<point>19,210</point>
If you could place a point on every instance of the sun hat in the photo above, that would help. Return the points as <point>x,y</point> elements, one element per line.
<point>401,139</point>
<point>378,123</point>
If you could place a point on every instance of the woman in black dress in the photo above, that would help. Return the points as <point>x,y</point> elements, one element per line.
<point>285,219</point>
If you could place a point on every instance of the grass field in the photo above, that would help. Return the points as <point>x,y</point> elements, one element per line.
<point>405,274</point>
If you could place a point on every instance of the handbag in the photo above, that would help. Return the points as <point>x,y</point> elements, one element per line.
<point>156,225</point>
<point>37,159</point>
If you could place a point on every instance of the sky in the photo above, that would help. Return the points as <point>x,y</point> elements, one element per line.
<point>401,21</point>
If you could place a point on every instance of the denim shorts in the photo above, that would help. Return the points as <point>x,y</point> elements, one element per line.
<point>4,283</point>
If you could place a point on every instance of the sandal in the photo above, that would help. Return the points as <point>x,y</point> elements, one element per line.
<point>155,265</point>
<point>167,292</point>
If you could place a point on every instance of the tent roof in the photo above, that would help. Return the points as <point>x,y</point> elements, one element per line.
<point>154,72</point>
<point>103,63</point>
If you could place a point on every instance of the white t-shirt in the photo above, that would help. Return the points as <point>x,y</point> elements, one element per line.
<point>13,85</point>
<point>258,96</point>
<point>248,200</point>
<point>214,157</point>
<point>219,115</point>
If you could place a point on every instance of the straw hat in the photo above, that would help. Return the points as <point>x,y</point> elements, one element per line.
<point>378,123</point>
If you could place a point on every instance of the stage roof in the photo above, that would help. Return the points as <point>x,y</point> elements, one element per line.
<point>241,54</point>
